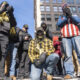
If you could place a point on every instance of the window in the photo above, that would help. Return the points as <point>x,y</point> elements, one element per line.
<point>47,1</point>
<point>49,25</point>
<point>77,1</point>
<point>47,8</point>
<point>59,1</point>
<point>55,9</point>
<point>73,9</point>
<point>41,0</point>
<point>56,17</point>
<point>60,9</point>
<point>54,1</point>
<point>70,1</point>
<point>75,15</point>
<point>79,9</point>
<point>48,17</point>
<point>42,8</point>
<point>43,17</point>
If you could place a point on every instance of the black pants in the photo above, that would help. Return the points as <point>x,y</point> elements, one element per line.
<point>60,68</point>
<point>3,53</point>
<point>24,70</point>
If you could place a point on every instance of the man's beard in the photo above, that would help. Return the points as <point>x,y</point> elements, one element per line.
<point>40,37</point>
<point>44,28</point>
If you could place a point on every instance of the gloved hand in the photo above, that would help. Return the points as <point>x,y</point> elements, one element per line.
<point>37,63</point>
<point>43,57</point>
<point>10,9</point>
<point>41,60</point>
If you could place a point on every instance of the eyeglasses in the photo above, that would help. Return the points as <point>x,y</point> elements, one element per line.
<point>40,33</point>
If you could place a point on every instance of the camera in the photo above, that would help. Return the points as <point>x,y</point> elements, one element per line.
<point>4,6</point>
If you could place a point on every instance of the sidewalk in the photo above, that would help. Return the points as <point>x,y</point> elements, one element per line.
<point>56,78</point>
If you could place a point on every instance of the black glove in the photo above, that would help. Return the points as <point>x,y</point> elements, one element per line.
<point>37,63</point>
<point>10,9</point>
<point>41,60</point>
<point>43,57</point>
<point>67,12</point>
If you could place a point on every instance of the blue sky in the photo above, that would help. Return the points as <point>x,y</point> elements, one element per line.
<point>23,12</point>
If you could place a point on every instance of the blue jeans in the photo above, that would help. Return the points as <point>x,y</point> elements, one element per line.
<point>50,63</point>
<point>69,44</point>
<point>13,62</point>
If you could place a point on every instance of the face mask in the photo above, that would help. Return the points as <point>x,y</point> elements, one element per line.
<point>40,35</point>
<point>44,27</point>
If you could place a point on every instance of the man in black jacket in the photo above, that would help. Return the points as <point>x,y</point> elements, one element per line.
<point>24,59</point>
<point>6,15</point>
<point>13,48</point>
<point>14,44</point>
<point>47,32</point>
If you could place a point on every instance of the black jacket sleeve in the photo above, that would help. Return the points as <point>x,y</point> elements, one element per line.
<point>49,34</point>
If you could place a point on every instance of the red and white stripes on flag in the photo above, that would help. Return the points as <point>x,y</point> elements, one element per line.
<point>70,30</point>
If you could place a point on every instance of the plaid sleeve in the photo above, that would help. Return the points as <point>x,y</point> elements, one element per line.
<point>51,49</point>
<point>31,50</point>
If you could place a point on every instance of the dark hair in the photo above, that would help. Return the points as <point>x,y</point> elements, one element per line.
<point>43,24</point>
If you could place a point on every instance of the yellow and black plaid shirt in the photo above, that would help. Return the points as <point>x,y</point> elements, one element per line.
<point>37,48</point>
<point>4,17</point>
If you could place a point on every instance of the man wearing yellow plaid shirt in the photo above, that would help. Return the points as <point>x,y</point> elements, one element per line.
<point>42,56</point>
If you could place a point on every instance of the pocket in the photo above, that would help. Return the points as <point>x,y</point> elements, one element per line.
<point>25,45</point>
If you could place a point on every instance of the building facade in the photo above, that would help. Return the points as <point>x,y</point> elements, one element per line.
<point>48,11</point>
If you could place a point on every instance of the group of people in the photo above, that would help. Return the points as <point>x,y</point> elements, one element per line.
<point>14,44</point>
<point>45,55</point>
<point>24,57</point>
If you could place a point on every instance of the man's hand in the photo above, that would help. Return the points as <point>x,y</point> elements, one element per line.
<point>26,38</point>
<point>43,57</point>
<point>37,63</point>
<point>41,60</point>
